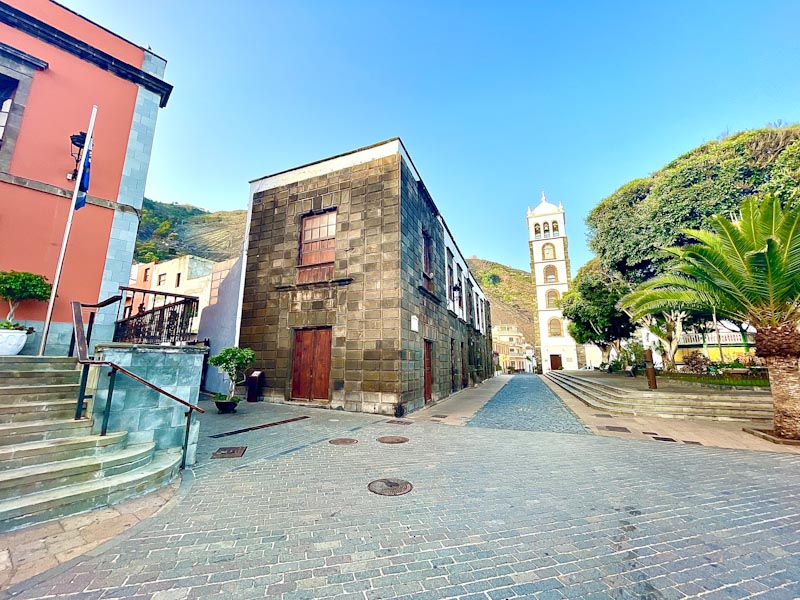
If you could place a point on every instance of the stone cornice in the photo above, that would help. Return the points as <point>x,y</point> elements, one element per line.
<point>47,33</point>
<point>54,190</point>
<point>22,57</point>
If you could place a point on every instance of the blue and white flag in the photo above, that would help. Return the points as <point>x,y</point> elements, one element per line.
<point>80,201</point>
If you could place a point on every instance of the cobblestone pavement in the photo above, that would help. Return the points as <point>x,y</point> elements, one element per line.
<point>493,514</point>
<point>525,403</point>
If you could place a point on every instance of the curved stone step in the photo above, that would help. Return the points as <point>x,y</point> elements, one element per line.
<point>597,399</point>
<point>40,452</point>
<point>37,478</point>
<point>13,378</point>
<point>32,431</point>
<point>80,497</point>
<point>26,393</point>
<point>37,411</point>
<point>38,363</point>
<point>633,398</point>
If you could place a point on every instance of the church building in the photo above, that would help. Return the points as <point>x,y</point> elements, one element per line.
<point>550,269</point>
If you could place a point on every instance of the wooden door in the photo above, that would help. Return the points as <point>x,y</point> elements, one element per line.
<point>463,365</point>
<point>453,366</point>
<point>428,371</point>
<point>555,362</point>
<point>311,364</point>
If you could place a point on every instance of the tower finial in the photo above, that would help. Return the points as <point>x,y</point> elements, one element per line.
<point>544,198</point>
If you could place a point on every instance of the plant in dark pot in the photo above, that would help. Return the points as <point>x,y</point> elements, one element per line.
<point>232,362</point>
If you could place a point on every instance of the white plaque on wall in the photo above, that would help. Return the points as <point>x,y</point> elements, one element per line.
<point>414,323</point>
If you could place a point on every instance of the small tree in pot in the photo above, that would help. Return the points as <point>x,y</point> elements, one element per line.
<point>232,362</point>
<point>15,287</point>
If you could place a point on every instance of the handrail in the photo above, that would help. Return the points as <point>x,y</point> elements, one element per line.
<point>155,309</point>
<point>84,359</point>
<point>149,291</point>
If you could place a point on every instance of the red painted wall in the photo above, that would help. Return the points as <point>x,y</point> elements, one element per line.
<point>59,104</point>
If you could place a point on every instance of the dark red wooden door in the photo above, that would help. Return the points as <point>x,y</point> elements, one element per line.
<point>428,371</point>
<point>311,365</point>
<point>555,361</point>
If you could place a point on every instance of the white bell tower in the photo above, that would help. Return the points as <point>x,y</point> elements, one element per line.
<point>550,270</point>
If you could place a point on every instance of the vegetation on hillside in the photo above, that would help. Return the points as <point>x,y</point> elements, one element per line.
<point>170,230</point>
<point>510,292</point>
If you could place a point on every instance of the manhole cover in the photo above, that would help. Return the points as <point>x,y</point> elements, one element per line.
<point>390,487</point>
<point>229,452</point>
<point>343,441</point>
<point>392,439</point>
<point>399,422</point>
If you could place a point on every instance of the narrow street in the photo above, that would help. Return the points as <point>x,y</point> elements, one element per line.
<point>493,513</point>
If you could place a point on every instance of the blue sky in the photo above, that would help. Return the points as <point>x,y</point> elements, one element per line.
<point>494,101</point>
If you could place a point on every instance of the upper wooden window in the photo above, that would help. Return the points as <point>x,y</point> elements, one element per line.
<point>552,299</point>
<point>427,266</point>
<point>554,328</point>
<point>550,274</point>
<point>317,247</point>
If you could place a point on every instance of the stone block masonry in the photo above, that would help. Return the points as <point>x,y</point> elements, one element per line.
<point>372,292</point>
<point>146,415</point>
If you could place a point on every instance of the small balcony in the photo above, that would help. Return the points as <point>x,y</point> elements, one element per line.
<point>150,317</point>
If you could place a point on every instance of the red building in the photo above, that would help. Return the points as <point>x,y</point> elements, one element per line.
<point>54,65</point>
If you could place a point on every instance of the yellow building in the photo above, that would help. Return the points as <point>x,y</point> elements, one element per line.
<point>511,348</point>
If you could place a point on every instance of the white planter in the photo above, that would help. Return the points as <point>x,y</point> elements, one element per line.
<point>11,341</point>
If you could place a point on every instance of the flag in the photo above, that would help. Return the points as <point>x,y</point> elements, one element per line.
<point>80,201</point>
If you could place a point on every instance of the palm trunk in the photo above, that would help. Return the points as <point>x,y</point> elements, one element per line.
<point>784,379</point>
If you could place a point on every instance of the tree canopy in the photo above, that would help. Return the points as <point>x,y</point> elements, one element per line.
<point>591,307</point>
<point>629,228</point>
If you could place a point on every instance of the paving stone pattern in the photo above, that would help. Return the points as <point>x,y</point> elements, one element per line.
<point>493,514</point>
<point>525,403</point>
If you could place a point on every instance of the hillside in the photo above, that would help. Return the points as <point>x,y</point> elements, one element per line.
<point>510,292</point>
<point>170,230</point>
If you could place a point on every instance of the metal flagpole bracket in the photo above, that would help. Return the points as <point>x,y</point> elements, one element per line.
<point>60,264</point>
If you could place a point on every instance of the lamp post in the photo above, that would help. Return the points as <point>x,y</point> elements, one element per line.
<point>86,140</point>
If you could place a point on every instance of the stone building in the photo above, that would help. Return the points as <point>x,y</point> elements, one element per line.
<point>550,270</point>
<point>355,293</point>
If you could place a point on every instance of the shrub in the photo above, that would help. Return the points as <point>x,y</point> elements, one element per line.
<point>16,286</point>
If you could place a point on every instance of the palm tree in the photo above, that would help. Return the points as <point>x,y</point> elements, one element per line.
<point>749,270</point>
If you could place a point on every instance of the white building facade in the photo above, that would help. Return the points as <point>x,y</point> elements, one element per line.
<point>550,269</point>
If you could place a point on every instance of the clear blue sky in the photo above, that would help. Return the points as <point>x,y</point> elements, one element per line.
<point>494,100</point>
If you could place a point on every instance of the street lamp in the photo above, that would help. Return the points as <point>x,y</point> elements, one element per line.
<point>78,141</point>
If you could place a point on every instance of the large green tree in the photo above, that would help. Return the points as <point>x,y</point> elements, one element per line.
<point>591,308</point>
<point>748,269</point>
<point>629,228</point>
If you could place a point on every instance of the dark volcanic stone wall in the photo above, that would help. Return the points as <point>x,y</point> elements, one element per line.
<point>361,304</point>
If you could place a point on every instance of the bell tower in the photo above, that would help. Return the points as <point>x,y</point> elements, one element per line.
<point>550,271</point>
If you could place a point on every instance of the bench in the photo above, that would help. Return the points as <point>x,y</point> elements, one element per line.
<point>630,371</point>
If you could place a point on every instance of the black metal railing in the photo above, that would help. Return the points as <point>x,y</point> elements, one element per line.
<point>151,317</point>
<point>80,344</point>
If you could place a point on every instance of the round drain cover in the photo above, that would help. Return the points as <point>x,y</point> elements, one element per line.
<point>343,441</point>
<point>392,439</point>
<point>390,487</point>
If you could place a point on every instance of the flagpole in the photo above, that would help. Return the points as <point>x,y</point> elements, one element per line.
<point>59,265</point>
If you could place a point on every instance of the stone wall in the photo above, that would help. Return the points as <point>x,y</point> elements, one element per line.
<point>361,303</point>
<point>377,359</point>
<point>144,413</point>
<point>455,343</point>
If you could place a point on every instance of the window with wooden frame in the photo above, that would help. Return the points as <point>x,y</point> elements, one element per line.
<point>554,328</point>
<point>550,274</point>
<point>427,261</point>
<point>317,247</point>
<point>552,298</point>
<point>450,282</point>
<point>460,282</point>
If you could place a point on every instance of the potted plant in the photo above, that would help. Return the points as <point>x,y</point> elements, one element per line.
<point>15,287</point>
<point>232,362</point>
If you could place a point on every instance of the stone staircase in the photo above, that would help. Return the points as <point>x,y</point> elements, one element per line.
<point>602,396</point>
<point>52,465</point>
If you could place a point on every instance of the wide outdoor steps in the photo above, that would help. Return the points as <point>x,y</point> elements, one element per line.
<point>602,396</point>
<point>51,465</point>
